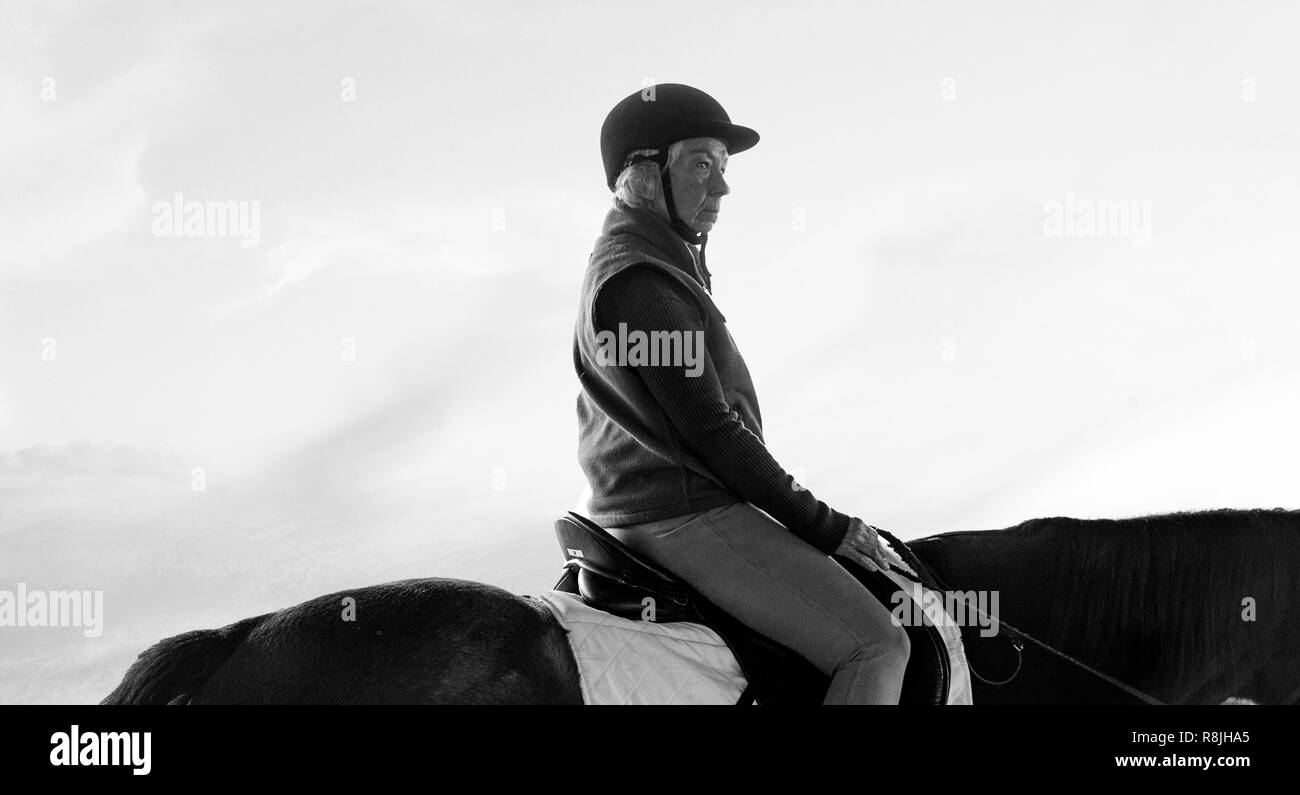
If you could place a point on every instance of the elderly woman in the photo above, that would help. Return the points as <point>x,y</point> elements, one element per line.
<point>674,454</point>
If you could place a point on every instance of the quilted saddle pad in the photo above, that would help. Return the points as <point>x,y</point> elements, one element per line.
<point>622,661</point>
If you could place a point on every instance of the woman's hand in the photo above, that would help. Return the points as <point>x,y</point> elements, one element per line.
<point>862,546</point>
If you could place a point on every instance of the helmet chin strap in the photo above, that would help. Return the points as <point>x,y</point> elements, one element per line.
<point>679,226</point>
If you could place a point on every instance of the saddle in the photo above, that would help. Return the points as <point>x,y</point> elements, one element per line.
<point>609,576</point>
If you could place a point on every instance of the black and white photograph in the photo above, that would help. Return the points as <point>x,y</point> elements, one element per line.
<point>771,354</point>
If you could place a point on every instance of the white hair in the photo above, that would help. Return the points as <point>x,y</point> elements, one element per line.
<point>638,185</point>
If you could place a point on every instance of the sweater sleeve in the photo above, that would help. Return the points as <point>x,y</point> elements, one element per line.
<point>698,409</point>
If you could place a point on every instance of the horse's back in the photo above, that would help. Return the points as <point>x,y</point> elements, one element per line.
<point>427,641</point>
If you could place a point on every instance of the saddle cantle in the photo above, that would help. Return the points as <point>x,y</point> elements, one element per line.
<point>609,576</point>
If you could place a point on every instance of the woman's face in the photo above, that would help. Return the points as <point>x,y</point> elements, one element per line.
<point>698,184</point>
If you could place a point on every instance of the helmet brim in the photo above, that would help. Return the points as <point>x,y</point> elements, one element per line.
<point>738,137</point>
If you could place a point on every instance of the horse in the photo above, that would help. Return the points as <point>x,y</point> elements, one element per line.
<point>1177,608</point>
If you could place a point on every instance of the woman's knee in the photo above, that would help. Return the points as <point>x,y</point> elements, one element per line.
<point>901,644</point>
<point>887,642</point>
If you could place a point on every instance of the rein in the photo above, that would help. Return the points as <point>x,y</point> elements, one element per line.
<point>921,568</point>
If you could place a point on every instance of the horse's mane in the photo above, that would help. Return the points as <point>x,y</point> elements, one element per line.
<point>1160,596</point>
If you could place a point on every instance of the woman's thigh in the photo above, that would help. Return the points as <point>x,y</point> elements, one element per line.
<point>751,566</point>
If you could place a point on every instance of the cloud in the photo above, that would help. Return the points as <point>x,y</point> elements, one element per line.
<point>50,466</point>
<point>81,110</point>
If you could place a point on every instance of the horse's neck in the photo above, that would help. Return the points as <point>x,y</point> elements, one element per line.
<point>1115,611</point>
<point>1024,569</point>
<point>992,560</point>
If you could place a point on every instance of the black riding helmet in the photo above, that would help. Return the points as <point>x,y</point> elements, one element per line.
<point>657,117</point>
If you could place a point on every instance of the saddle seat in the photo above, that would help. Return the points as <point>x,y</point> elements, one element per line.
<point>609,576</point>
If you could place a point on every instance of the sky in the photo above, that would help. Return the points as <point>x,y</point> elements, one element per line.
<point>378,384</point>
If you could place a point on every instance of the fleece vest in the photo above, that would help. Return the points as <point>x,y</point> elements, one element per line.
<point>639,467</point>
